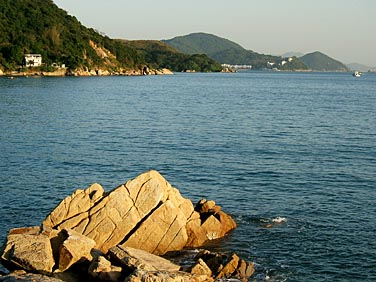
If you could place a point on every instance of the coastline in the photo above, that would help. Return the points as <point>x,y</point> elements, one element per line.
<point>85,72</point>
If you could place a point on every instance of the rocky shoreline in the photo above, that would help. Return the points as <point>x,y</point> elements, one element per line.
<point>85,72</point>
<point>126,234</point>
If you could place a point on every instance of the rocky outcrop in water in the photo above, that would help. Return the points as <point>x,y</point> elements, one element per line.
<point>146,213</point>
<point>118,234</point>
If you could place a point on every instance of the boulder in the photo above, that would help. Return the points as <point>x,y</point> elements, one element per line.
<point>165,276</point>
<point>102,269</point>
<point>128,225</point>
<point>224,267</point>
<point>138,259</point>
<point>22,276</point>
<point>245,270</point>
<point>28,249</point>
<point>208,222</point>
<point>56,72</point>
<point>230,268</point>
<point>145,212</point>
<point>201,268</point>
<point>76,248</point>
<point>214,261</point>
<point>205,206</point>
<point>163,72</point>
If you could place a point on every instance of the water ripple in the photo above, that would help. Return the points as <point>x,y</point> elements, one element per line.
<point>262,145</point>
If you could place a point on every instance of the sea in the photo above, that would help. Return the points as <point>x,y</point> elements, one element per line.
<point>291,156</point>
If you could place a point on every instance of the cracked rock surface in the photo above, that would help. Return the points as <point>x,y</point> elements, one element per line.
<point>131,224</point>
<point>145,212</point>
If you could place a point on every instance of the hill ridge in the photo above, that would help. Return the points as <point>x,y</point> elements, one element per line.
<point>41,27</point>
<point>201,43</point>
<point>319,61</point>
<point>226,51</point>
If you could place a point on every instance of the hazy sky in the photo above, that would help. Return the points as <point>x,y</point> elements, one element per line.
<point>342,29</point>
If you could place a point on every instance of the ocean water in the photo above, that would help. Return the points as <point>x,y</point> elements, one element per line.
<point>292,156</point>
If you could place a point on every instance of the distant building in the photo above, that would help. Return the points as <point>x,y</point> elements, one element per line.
<point>33,60</point>
<point>237,67</point>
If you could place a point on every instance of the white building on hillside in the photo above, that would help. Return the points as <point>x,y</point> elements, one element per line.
<point>33,60</point>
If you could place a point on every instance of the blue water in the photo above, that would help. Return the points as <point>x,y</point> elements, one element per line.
<point>263,145</point>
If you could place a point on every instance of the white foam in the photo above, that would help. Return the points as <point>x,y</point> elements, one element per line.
<point>279,219</point>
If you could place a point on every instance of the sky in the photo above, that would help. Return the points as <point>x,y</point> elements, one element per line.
<point>343,29</point>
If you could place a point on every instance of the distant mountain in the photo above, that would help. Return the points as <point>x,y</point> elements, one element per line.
<point>320,62</point>
<point>161,55</point>
<point>359,67</point>
<point>202,43</point>
<point>292,54</point>
<point>229,52</point>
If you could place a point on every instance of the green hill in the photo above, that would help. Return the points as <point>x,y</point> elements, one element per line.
<point>228,52</point>
<point>161,55</point>
<point>320,62</point>
<point>202,43</point>
<point>41,27</point>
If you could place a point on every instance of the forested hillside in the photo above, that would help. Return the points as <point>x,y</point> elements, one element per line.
<point>40,27</point>
<point>229,52</point>
<point>202,43</point>
<point>321,62</point>
<point>161,55</point>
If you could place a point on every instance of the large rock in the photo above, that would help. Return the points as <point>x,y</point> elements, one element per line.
<point>130,224</point>
<point>138,259</point>
<point>224,267</point>
<point>201,268</point>
<point>165,276</point>
<point>76,248</point>
<point>28,249</point>
<point>230,267</point>
<point>22,276</point>
<point>102,269</point>
<point>208,222</point>
<point>146,213</point>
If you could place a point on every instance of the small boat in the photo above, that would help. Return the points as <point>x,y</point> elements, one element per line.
<point>357,74</point>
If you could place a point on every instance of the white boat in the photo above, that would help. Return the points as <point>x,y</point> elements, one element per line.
<point>357,74</point>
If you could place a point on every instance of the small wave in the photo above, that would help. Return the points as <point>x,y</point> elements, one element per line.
<point>243,219</point>
<point>279,219</point>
